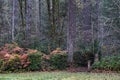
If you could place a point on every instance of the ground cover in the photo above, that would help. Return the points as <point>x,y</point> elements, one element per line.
<point>59,76</point>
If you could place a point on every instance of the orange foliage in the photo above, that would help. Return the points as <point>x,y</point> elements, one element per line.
<point>32,51</point>
<point>46,56</point>
<point>58,51</point>
<point>10,51</point>
<point>2,54</point>
<point>17,49</point>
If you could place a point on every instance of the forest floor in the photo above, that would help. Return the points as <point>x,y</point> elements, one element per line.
<point>60,76</point>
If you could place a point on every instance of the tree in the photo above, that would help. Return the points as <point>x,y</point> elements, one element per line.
<point>27,18</point>
<point>111,23</point>
<point>38,17</point>
<point>21,6</point>
<point>71,29</point>
<point>99,30</point>
<point>54,20</point>
<point>86,21</point>
<point>13,20</point>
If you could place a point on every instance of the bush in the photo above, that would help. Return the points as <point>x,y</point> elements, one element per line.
<point>86,52</point>
<point>58,61</point>
<point>78,59</point>
<point>81,58</point>
<point>45,64</point>
<point>35,61</point>
<point>1,62</point>
<point>12,65</point>
<point>108,63</point>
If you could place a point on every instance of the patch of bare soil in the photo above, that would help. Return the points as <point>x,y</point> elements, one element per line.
<point>79,69</point>
<point>102,71</point>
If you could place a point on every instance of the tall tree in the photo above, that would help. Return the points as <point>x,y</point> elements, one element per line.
<point>13,20</point>
<point>111,23</point>
<point>99,30</point>
<point>71,29</point>
<point>27,17</point>
<point>22,15</point>
<point>38,18</point>
<point>53,13</point>
<point>86,21</point>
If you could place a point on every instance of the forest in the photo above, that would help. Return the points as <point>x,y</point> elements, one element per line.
<point>60,35</point>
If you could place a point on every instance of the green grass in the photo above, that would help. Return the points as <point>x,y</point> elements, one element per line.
<point>59,76</point>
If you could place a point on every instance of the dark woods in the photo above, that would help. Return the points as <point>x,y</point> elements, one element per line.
<point>88,30</point>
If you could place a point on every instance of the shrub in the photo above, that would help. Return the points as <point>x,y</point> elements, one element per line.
<point>81,58</point>
<point>18,59</point>
<point>86,52</point>
<point>108,63</point>
<point>12,65</point>
<point>24,60</point>
<point>78,59</point>
<point>58,61</point>
<point>45,64</point>
<point>1,62</point>
<point>35,61</point>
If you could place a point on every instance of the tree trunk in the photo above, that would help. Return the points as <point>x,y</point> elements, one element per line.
<point>27,17</point>
<point>22,18</point>
<point>38,18</point>
<point>89,65</point>
<point>13,21</point>
<point>100,29</point>
<point>86,21</point>
<point>96,57</point>
<point>71,29</point>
